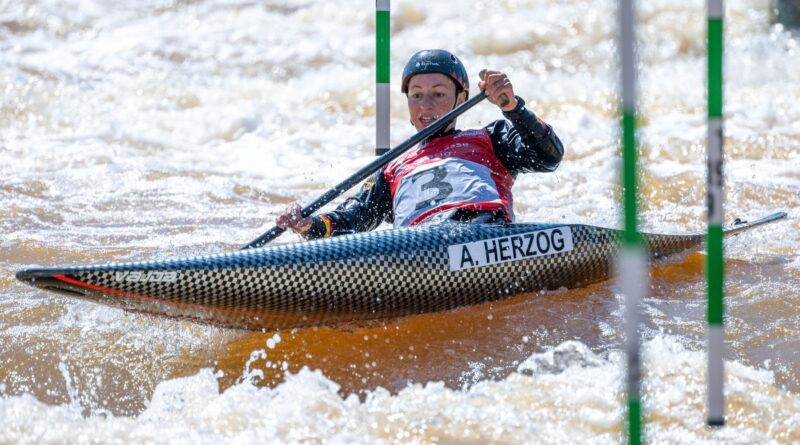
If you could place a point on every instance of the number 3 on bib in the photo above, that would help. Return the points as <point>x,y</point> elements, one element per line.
<point>436,176</point>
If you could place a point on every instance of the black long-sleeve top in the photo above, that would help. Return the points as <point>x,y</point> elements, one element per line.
<point>523,143</point>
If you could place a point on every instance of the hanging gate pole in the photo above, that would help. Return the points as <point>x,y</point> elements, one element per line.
<point>382,76</point>
<point>632,260</point>
<point>715,268</point>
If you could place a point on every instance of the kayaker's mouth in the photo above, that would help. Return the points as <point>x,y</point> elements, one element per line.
<point>427,120</point>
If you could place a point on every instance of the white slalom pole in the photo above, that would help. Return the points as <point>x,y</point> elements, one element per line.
<point>632,260</point>
<point>382,65</point>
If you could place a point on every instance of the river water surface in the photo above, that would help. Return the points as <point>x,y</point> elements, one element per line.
<point>163,128</point>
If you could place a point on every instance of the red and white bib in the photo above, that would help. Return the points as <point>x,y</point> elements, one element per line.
<point>459,171</point>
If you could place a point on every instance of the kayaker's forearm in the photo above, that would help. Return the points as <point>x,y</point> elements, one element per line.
<point>528,144</point>
<point>537,134</point>
<point>359,213</point>
<point>320,228</point>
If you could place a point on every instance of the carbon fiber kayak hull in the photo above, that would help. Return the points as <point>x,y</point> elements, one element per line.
<point>375,275</point>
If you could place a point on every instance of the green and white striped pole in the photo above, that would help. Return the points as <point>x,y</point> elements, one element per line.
<point>715,268</point>
<point>382,76</point>
<point>632,261</point>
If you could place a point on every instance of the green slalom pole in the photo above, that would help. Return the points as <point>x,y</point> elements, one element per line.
<point>715,269</point>
<point>631,261</point>
<point>382,65</point>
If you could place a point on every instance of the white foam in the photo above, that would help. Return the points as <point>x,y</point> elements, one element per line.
<point>569,386</point>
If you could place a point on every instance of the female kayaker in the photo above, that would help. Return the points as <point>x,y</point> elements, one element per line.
<point>453,175</point>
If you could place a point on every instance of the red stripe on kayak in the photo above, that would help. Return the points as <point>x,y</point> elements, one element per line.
<point>69,280</point>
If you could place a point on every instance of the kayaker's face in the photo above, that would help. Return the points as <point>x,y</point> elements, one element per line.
<point>431,96</point>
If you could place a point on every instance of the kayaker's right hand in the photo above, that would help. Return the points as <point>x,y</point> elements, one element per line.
<point>498,89</point>
<point>292,218</point>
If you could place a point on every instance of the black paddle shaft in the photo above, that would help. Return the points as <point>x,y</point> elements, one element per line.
<point>371,168</point>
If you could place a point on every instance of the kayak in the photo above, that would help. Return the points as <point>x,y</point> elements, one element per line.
<point>364,276</point>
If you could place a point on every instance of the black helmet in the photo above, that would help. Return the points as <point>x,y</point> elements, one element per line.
<point>436,61</point>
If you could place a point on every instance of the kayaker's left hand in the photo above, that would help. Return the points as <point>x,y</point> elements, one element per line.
<point>496,84</point>
<point>292,218</point>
